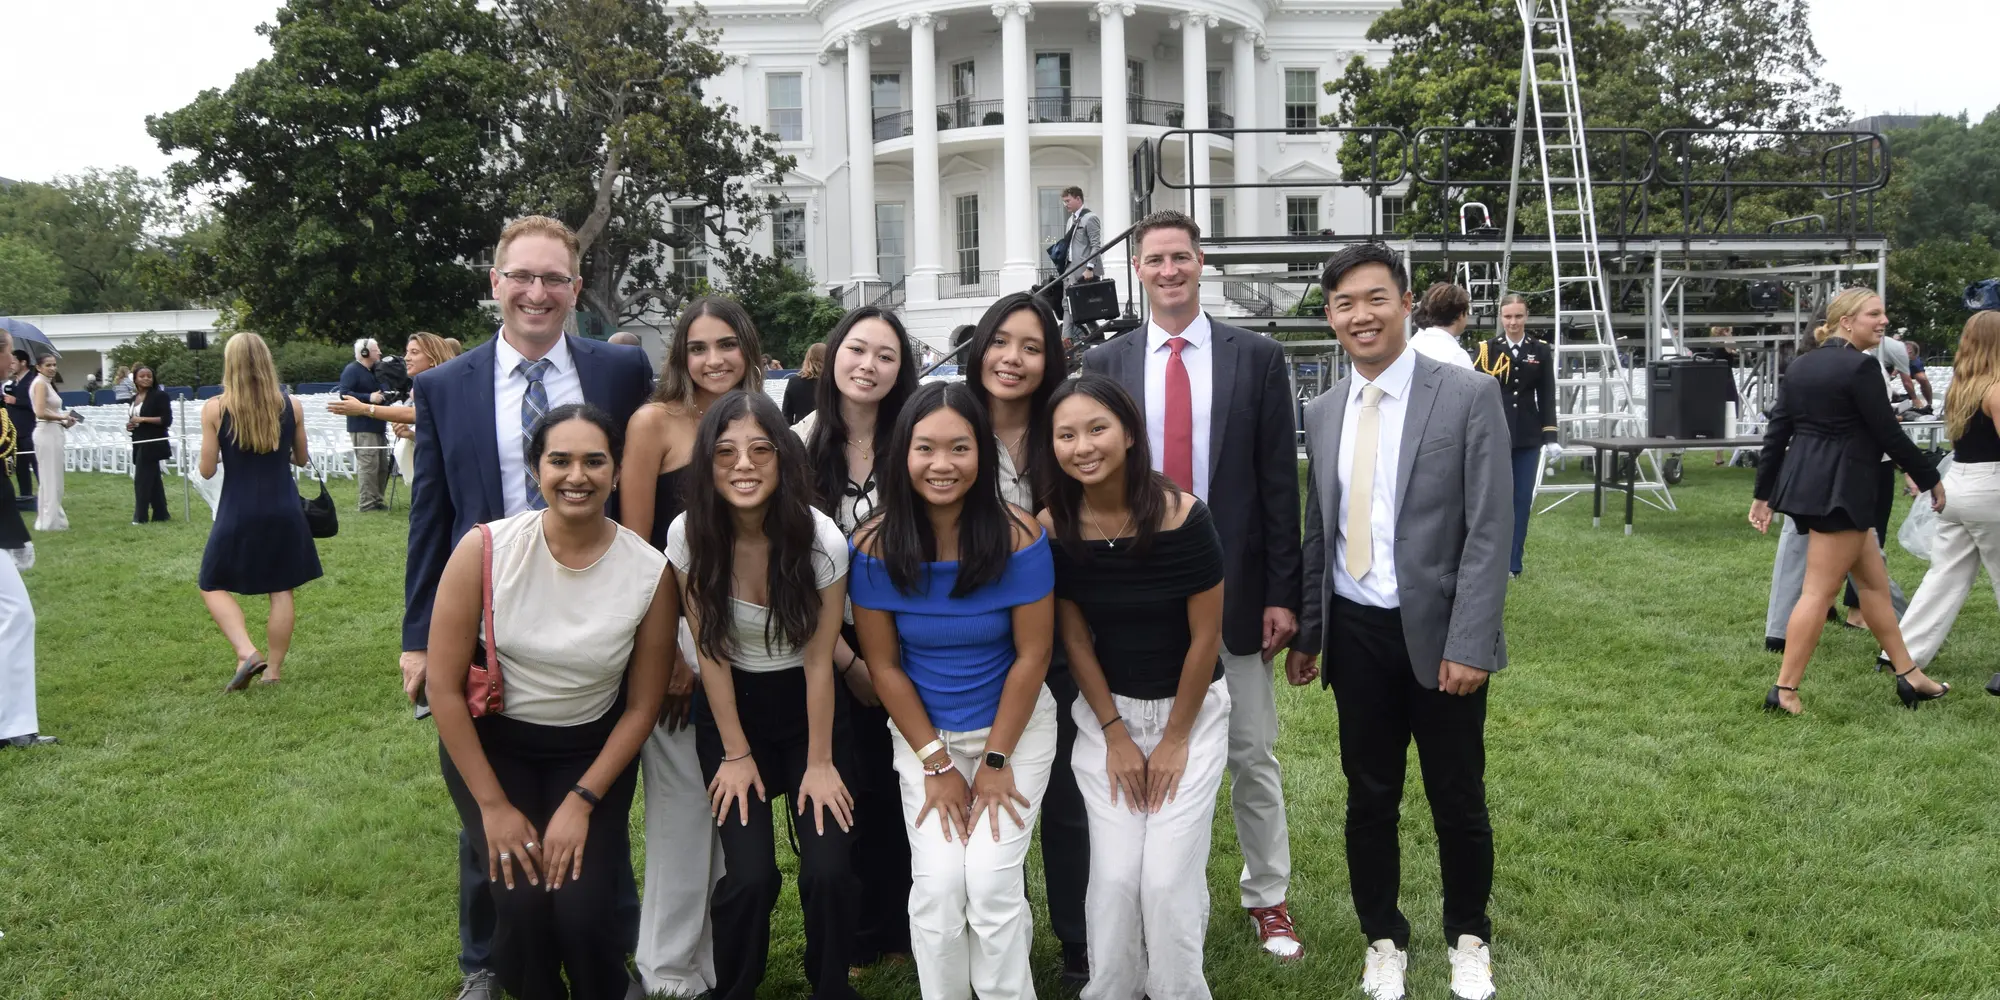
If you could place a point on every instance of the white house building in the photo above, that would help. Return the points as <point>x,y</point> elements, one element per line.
<point>934,140</point>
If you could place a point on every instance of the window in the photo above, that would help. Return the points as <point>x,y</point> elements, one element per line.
<point>1052,86</point>
<point>1302,98</point>
<point>785,104</point>
<point>967,215</point>
<point>885,93</point>
<point>1053,220</point>
<point>963,89</point>
<point>889,248</point>
<point>788,233</point>
<point>1392,212</point>
<point>1302,216</point>
<point>1218,211</point>
<point>691,261</point>
<point>1215,81</point>
<point>1135,90</point>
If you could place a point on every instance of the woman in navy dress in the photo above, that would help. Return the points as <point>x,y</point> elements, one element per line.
<point>260,543</point>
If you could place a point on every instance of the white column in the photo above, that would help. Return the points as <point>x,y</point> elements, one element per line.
<point>1114,202</point>
<point>1194,97</point>
<point>860,160</point>
<point>925,232</point>
<point>1017,199</point>
<point>1243,55</point>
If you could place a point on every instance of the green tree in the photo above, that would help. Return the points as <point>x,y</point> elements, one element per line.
<point>1720,64</point>
<point>1927,285</point>
<point>790,313</point>
<point>351,170</point>
<point>107,229</point>
<point>31,281</point>
<point>617,129</point>
<point>1946,182</point>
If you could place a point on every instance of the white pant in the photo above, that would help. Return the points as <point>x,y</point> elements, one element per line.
<point>49,515</point>
<point>17,654</point>
<point>1147,905</point>
<point>683,863</point>
<point>970,927</point>
<point>1256,787</point>
<point>1968,534</point>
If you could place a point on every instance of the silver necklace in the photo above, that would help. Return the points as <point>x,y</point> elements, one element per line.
<point>1107,539</point>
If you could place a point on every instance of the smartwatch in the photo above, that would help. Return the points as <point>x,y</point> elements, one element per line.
<point>995,759</point>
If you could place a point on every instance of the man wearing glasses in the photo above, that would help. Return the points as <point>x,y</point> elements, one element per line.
<point>473,418</point>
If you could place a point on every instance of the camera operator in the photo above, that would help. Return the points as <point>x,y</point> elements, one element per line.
<point>371,444</point>
<point>425,351</point>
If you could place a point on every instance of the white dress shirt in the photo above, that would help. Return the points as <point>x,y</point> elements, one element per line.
<point>561,384</point>
<point>1438,343</point>
<point>1377,587</point>
<point>1199,358</point>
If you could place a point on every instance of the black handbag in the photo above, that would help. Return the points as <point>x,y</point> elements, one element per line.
<point>321,519</point>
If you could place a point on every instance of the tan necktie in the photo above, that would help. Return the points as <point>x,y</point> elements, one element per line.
<point>1361,485</point>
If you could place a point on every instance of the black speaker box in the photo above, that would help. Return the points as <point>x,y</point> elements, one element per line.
<point>1688,398</point>
<point>197,340</point>
<point>1090,301</point>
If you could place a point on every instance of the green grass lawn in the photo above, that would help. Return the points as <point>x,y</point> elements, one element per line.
<point>1658,836</point>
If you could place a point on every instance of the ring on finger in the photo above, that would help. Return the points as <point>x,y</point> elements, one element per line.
<point>530,845</point>
<point>504,856</point>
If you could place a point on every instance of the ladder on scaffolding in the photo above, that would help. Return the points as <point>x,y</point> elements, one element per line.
<point>1594,390</point>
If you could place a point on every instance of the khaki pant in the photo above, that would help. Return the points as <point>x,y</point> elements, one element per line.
<point>371,468</point>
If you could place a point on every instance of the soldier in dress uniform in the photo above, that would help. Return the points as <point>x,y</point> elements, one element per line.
<point>1526,368</point>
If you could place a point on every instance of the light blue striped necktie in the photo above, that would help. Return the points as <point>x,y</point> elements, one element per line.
<point>534,403</point>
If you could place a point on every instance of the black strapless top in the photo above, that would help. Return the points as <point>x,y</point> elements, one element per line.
<point>1979,444</point>
<point>669,499</point>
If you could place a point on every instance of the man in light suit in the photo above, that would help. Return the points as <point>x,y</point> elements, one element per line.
<point>1218,409</point>
<point>1408,532</point>
<point>473,415</point>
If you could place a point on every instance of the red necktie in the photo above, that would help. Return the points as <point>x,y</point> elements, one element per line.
<point>1179,453</point>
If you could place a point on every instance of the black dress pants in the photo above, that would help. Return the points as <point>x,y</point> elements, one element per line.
<point>149,494</point>
<point>881,847</point>
<point>1065,824</point>
<point>540,938</point>
<point>24,456</point>
<point>1381,708</point>
<point>772,707</point>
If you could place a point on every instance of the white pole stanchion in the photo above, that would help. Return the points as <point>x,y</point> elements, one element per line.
<point>187,500</point>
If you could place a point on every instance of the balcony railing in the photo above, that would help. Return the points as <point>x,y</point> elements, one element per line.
<point>967,284</point>
<point>1044,110</point>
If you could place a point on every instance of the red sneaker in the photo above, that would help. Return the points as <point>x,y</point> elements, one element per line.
<point>1276,934</point>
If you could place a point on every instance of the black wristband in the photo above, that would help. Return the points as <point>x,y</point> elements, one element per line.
<point>1107,726</point>
<point>585,794</point>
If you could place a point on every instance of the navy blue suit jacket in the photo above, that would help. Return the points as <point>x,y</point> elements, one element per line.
<point>456,486</point>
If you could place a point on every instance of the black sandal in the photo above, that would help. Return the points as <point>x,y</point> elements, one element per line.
<point>1771,702</point>
<point>251,666</point>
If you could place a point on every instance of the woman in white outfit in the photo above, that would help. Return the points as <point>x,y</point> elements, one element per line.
<point>1139,595</point>
<point>1968,529</point>
<point>51,420</point>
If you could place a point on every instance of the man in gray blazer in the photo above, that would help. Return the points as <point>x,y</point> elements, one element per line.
<point>1409,519</point>
<point>1218,411</point>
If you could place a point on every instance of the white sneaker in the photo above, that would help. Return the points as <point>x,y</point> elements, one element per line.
<point>1382,976</point>
<point>1471,969</point>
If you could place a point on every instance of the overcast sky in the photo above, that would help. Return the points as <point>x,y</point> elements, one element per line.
<point>82,75</point>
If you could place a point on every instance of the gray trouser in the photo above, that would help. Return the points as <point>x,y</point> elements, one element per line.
<point>1256,789</point>
<point>1788,579</point>
<point>371,468</point>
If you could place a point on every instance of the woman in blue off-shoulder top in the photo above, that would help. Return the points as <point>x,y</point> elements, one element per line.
<point>953,602</point>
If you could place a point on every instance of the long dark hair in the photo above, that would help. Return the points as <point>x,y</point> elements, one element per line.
<point>676,383</point>
<point>1145,490</point>
<point>1054,368</point>
<point>902,532</point>
<point>788,525</point>
<point>826,451</point>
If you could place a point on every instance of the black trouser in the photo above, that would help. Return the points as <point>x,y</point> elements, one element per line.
<point>1381,707</point>
<point>540,937</point>
<point>149,495</point>
<point>1065,824</point>
<point>25,470</point>
<point>881,845</point>
<point>772,707</point>
<point>1885,504</point>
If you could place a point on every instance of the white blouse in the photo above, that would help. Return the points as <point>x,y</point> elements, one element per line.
<point>753,654</point>
<point>566,635</point>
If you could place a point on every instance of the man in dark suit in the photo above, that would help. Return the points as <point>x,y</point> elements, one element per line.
<point>1526,368</point>
<point>1218,410</point>
<point>473,414</point>
<point>1405,585</point>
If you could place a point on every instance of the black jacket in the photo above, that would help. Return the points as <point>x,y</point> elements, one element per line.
<point>801,396</point>
<point>1824,443</point>
<point>156,404</point>
<point>1527,387</point>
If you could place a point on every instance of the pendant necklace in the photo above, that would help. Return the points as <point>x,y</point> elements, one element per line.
<point>1108,540</point>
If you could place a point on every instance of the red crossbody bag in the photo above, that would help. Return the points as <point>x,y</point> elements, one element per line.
<point>485,692</point>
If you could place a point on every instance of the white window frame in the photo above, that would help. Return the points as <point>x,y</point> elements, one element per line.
<point>802,258</point>
<point>1218,93</point>
<point>958,249</point>
<point>902,236</point>
<point>1284,94</point>
<point>1218,218</point>
<point>805,103</point>
<point>696,259</point>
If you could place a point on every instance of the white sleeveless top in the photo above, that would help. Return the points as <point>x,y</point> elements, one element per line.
<point>753,654</point>
<point>566,635</point>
